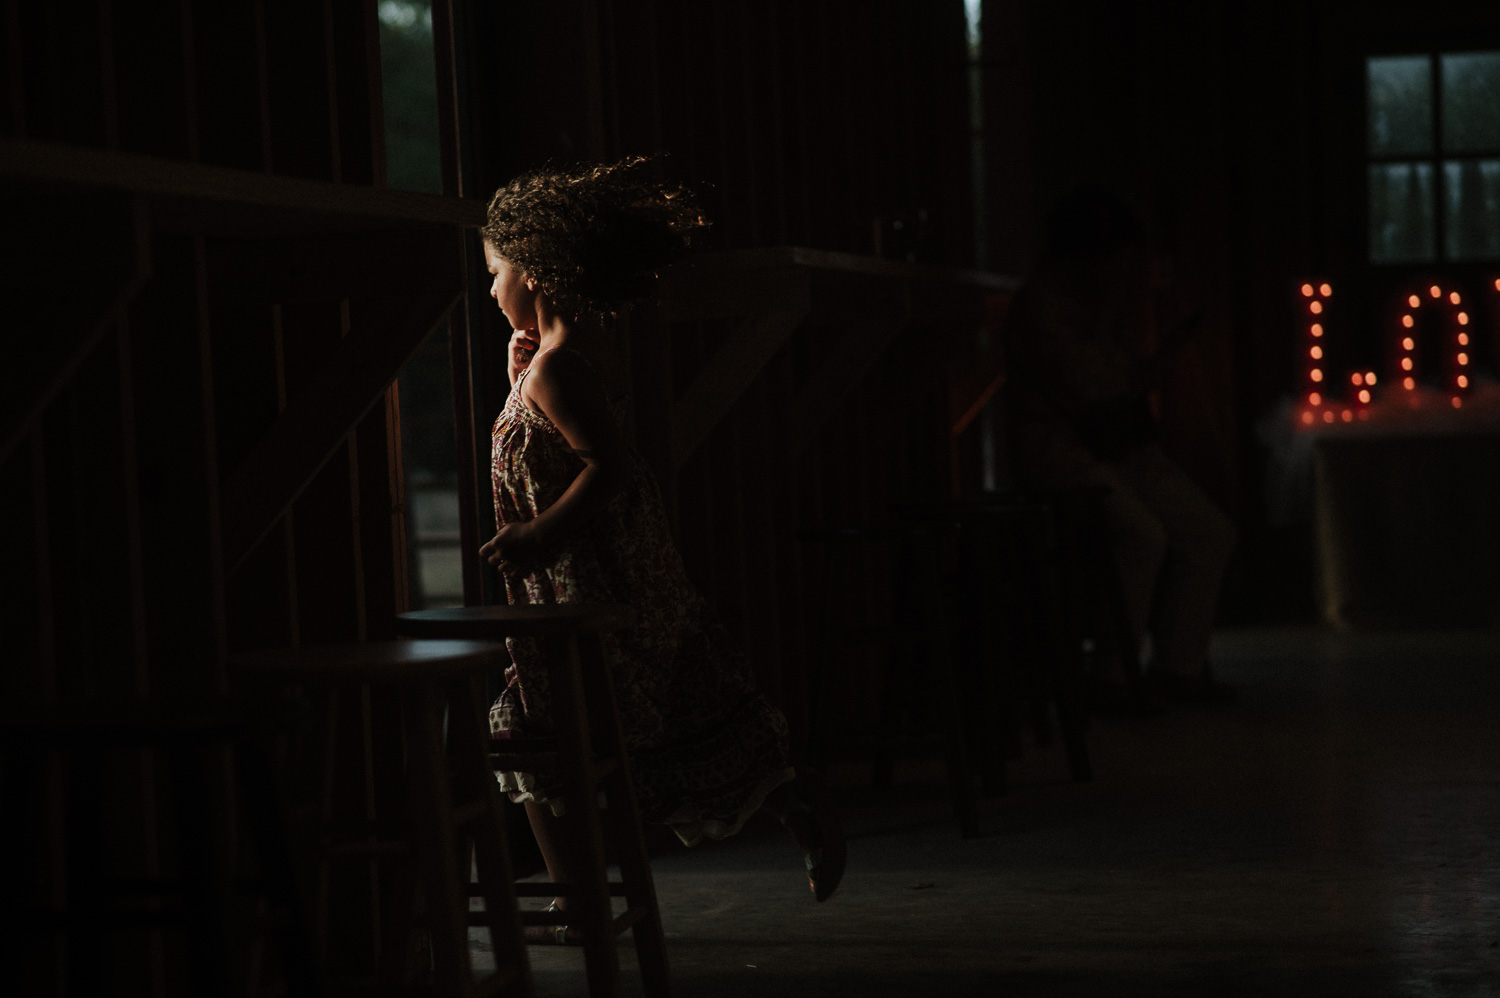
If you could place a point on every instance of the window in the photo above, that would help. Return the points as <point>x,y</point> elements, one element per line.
<point>409,83</point>
<point>1433,156</point>
<point>973,27</point>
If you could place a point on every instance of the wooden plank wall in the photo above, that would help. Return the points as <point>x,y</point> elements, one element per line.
<point>150,529</point>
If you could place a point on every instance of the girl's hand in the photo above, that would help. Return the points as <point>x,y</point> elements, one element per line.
<point>523,344</point>
<point>515,549</point>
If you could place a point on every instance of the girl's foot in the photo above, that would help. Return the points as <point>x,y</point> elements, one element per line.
<point>551,935</point>
<point>820,836</point>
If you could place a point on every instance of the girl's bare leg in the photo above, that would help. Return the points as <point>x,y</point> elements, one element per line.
<point>557,839</point>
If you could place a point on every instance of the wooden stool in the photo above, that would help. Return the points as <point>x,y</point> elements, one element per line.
<point>1008,568</point>
<point>194,889</point>
<point>915,628</point>
<point>587,748</point>
<point>432,676</point>
<point>1093,592</point>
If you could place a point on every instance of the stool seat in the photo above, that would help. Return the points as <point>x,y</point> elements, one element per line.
<point>378,662</point>
<point>525,620</point>
<point>451,796</point>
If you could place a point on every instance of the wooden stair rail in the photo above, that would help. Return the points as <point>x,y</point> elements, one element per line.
<point>769,293</point>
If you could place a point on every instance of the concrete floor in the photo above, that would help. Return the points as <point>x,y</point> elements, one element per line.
<point>1336,832</point>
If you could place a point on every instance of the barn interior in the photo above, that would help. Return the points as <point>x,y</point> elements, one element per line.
<point>252,365</point>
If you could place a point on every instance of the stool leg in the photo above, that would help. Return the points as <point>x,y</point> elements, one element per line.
<point>627,833</point>
<point>1063,670</point>
<point>82,959</point>
<point>432,815</point>
<point>588,894</point>
<point>265,814</point>
<point>402,956</point>
<point>1127,648</point>
<point>935,623</point>
<point>1026,632</point>
<point>883,768</point>
<point>899,658</point>
<point>991,662</point>
<point>197,778</point>
<point>468,735</point>
<point>822,648</point>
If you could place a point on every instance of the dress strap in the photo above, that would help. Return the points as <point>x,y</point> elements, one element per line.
<point>615,401</point>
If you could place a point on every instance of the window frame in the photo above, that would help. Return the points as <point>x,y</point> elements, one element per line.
<point>1372,292</point>
<point>1440,261</point>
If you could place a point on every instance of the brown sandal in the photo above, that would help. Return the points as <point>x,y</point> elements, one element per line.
<point>550,935</point>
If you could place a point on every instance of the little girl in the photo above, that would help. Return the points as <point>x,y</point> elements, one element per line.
<point>581,520</point>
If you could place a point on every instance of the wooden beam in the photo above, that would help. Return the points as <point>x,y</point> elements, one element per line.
<point>690,292</point>
<point>771,287</point>
<point>773,257</point>
<point>315,423</point>
<point>222,200</point>
<point>445,66</point>
<point>466,450</point>
<point>330,268</point>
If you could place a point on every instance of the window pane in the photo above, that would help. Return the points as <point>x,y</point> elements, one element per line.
<point>435,543</point>
<point>1400,212</point>
<point>1472,203</point>
<point>409,90</point>
<point>1471,102</point>
<point>1400,91</point>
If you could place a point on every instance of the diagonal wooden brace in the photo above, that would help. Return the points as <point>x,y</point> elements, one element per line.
<point>313,424</point>
<point>64,319</point>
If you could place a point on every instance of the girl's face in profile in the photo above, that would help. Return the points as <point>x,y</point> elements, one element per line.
<point>512,290</point>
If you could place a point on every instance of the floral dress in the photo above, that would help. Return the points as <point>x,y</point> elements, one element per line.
<point>705,748</point>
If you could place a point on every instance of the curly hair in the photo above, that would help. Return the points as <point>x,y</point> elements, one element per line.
<point>593,238</point>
